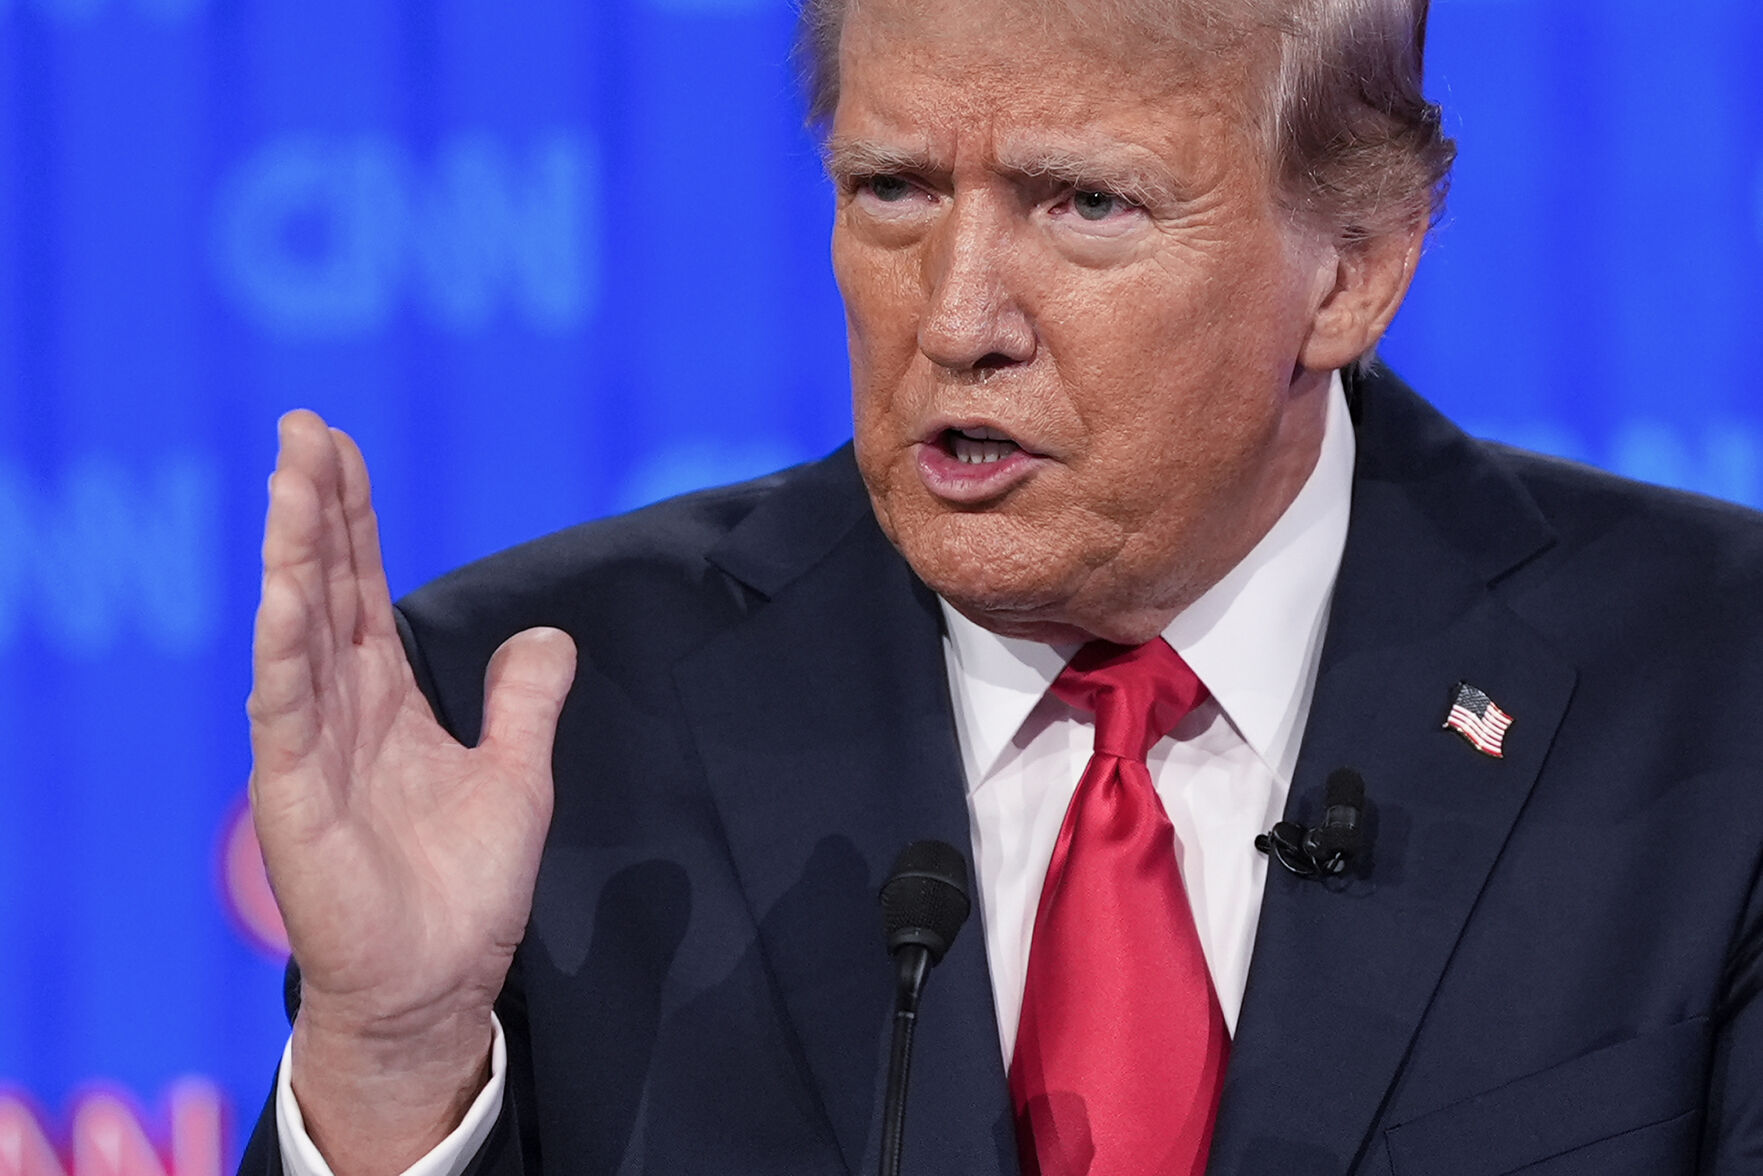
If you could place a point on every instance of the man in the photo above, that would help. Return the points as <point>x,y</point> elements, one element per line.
<point>1110,271</point>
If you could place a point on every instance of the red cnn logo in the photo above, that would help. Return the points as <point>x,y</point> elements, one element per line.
<point>108,1135</point>
<point>246,887</point>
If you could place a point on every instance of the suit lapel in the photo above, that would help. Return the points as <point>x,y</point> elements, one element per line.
<point>824,727</point>
<point>1342,973</point>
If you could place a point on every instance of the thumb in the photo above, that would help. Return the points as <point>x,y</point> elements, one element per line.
<point>524,688</point>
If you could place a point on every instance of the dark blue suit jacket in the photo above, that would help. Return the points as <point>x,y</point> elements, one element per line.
<point>1552,963</point>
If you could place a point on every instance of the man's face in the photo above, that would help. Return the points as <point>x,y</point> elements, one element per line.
<point>1075,313</point>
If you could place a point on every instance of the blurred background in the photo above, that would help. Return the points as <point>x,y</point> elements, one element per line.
<point>555,259</point>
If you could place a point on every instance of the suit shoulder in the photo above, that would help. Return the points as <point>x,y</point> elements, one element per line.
<point>668,539</point>
<point>1643,582</point>
<point>639,580</point>
<point>1672,533</point>
<point>637,592</point>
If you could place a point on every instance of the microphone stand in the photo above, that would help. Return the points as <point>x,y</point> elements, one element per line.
<point>914,964</point>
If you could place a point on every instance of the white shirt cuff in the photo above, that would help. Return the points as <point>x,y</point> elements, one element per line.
<point>450,1157</point>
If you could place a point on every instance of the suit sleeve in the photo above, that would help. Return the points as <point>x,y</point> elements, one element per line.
<point>1732,1139</point>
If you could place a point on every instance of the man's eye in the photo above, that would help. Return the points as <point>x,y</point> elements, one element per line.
<point>888,189</point>
<point>1097,206</point>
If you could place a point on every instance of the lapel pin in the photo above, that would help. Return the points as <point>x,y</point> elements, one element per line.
<point>1474,716</point>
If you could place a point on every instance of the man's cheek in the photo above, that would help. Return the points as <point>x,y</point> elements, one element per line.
<point>882,345</point>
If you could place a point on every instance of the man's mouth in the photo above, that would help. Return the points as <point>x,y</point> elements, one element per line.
<point>970,465</point>
<point>978,445</point>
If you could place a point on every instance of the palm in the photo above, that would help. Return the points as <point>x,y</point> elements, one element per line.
<point>403,862</point>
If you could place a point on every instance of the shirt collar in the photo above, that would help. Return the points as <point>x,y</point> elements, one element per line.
<point>1254,638</point>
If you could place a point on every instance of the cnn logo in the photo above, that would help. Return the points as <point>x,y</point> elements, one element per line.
<point>109,1135</point>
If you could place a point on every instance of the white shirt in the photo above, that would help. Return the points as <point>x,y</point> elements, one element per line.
<point>1254,639</point>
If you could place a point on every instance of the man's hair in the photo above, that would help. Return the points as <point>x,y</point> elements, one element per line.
<point>1354,146</point>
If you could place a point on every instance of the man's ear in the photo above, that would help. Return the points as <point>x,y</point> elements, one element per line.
<point>1369,281</point>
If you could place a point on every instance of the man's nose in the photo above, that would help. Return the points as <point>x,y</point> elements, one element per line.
<point>973,318</point>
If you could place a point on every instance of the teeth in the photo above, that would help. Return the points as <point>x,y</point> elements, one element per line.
<point>980,446</point>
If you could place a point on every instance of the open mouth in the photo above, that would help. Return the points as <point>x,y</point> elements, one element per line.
<point>973,464</point>
<point>978,445</point>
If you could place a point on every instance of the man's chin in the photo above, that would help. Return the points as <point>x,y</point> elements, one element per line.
<point>1010,572</point>
<point>1000,590</point>
<point>1036,593</point>
<point>1026,626</point>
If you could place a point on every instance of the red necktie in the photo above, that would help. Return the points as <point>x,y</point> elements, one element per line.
<point>1121,1047</point>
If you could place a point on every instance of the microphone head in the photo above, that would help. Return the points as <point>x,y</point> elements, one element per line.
<point>1340,837</point>
<point>924,901</point>
<point>1345,789</point>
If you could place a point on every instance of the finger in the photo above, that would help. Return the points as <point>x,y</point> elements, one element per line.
<point>293,543</point>
<point>524,688</point>
<point>282,705</point>
<point>375,598</point>
<point>307,445</point>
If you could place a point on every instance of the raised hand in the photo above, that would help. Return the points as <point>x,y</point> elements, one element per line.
<point>402,861</point>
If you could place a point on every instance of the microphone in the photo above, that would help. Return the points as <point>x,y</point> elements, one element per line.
<point>923,902</point>
<point>1330,848</point>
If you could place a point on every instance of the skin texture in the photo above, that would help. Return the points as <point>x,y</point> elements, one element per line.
<point>1060,235</point>
<point>1167,362</point>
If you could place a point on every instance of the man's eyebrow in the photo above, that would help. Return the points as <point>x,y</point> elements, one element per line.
<point>1141,182</point>
<point>865,157</point>
<point>1112,170</point>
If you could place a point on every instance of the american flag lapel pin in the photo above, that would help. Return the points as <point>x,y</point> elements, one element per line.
<point>1474,716</point>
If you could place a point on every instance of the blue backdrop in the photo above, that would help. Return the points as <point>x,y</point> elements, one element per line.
<point>553,259</point>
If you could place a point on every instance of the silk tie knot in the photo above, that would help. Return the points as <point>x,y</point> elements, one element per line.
<point>1138,693</point>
